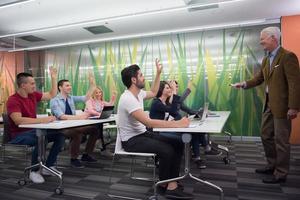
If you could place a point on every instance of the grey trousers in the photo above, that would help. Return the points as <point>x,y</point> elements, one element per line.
<point>275,134</point>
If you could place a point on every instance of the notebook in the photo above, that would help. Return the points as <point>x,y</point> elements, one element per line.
<point>106,113</point>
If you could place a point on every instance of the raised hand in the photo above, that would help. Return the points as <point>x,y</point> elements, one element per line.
<point>159,66</point>
<point>91,79</point>
<point>53,72</point>
<point>173,86</point>
<point>190,84</point>
<point>114,95</point>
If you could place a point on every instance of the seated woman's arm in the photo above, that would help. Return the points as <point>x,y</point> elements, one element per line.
<point>112,100</point>
<point>90,109</point>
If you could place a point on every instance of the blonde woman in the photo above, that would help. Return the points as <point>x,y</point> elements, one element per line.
<point>94,107</point>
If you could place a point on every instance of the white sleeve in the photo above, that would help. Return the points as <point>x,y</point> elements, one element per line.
<point>131,104</point>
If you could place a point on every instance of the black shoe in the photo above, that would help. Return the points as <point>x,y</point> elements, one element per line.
<point>87,158</point>
<point>264,170</point>
<point>76,163</point>
<point>200,164</point>
<point>177,194</point>
<point>273,180</point>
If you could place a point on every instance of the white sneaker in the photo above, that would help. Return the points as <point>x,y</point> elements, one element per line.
<point>36,177</point>
<point>47,173</point>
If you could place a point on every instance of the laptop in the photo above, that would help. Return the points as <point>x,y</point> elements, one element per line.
<point>205,112</point>
<point>202,112</point>
<point>106,113</point>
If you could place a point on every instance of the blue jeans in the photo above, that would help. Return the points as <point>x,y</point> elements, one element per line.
<point>198,139</point>
<point>30,138</point>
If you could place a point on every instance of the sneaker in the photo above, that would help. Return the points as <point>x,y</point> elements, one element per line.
<point>87,158</point>
<point>76,163</point>
<point>47,173</point>
<point>200,164</point>
<point>213,152</point>
<point>36,177</point>
<point>177,194</point>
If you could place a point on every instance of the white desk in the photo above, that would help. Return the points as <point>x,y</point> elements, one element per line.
<point>212,124</point>
<point>62,124</point>
<point>41,131</point>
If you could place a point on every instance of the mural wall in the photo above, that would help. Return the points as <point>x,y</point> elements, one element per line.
<point>210,59</point>
<point>10,65</point>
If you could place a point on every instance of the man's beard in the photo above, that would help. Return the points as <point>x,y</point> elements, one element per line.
<point>140,85</point>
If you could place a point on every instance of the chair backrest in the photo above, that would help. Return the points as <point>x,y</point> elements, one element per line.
<point>118,146</point>
<point>119,149</point>
<point>6,135</point>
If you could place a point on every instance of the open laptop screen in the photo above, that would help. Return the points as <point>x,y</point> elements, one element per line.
<point>106,113</point>
<point>205,111</point>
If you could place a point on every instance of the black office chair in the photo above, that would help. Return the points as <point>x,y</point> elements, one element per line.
<point>6,138</point>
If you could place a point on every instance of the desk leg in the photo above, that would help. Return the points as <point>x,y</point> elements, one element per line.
<point>209,184</point>
<point>186,138</point>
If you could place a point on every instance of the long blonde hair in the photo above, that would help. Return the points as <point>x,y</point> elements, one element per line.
<point>94,91</point>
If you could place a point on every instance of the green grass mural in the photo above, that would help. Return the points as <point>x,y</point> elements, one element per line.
<point>211,60</point>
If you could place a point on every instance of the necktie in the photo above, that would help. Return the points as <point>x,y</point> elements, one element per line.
<point>271,58</point>
<point>68,108</point>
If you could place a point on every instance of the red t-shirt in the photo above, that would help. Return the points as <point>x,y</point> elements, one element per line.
<point>26,106</point>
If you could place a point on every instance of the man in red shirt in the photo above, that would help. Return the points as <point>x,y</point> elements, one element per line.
<point>21,109</point>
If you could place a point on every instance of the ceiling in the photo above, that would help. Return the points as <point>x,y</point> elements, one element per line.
<point>63,22</point>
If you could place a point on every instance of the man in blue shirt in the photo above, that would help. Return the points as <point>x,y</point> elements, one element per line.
<point>63,108</point>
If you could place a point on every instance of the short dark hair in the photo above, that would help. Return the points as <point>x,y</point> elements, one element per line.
<point>61,82</point>
<point>129,72</point>
<point>21,78</point>
<point>161,88</point>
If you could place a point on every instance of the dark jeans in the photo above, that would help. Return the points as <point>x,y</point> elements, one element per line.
<point>172,135</point>
<point>30,138</point>
<point>198,139</point>
<point>76,134</point>
<point>169,152</point>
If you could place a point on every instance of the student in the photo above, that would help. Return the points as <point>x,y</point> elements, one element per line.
<point>21,109</point>
<point>94,107</point>
<point>63,107</point>
<point>132,122</point>
<point>95,104</point>
<point>161,107</point>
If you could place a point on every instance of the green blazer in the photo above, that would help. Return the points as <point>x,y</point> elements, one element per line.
<point>283,81</point>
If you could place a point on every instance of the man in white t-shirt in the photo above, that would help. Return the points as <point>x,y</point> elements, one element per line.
<point>132,122</point>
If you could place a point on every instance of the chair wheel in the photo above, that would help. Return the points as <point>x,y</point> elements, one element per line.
<point>153,198</point>
<point>59,191</point>
<point>21,182</point>
<point>226,160</point>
